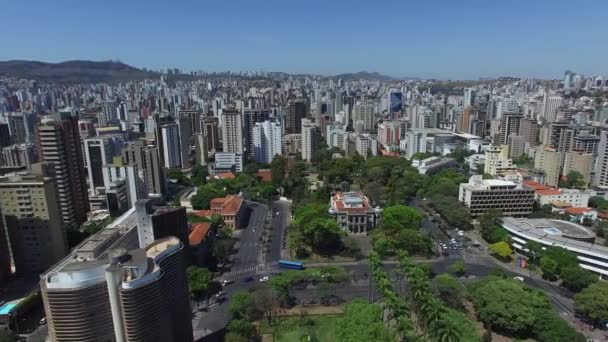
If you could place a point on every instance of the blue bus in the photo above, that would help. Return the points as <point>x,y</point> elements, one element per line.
<point>293,265</point>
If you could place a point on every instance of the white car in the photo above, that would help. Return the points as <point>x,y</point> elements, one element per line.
<point>519,278</point>
<point>226,282</point>
<point>264,279</point>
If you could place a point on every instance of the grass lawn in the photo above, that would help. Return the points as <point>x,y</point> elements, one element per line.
<point>292,329</point>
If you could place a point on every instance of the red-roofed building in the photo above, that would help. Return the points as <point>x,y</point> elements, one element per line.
<point>201,242</point>
<point>223,175</point>
<point>265,175</point>
<point>546,195</point>
<point>353,212</point>
<point>231,208</point>
<point>581,213</point>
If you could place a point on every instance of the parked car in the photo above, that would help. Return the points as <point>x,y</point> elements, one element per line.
<point>264,279</point>
<point>519,278</point>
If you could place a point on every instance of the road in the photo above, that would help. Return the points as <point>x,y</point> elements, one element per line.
<point>478,264</point>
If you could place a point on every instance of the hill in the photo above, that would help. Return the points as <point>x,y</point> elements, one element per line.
<point>370,76</point>
<point>73,71</point>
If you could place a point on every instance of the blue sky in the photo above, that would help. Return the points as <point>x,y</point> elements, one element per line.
<point>462,39</point>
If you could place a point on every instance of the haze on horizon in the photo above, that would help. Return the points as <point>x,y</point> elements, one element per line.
<point>434,39</point>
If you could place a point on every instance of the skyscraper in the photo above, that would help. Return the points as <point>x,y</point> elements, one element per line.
<point>186,130</point>
<point>266,141</point>
<point>145,157</point>
<point>232,132</point>
<point>363,113</point>
<point>295,114</point>
<point>172,152</point>
<point>251,118</point>
<point>59,145</point>
<point>30,214</point>
<point>510,125</point>
<point>310,139</point>
<point>99,152</point>
<point>416,142</point>
<point>123,296</point>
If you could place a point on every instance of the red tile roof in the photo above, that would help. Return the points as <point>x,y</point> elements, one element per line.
<point>203,213</point>
<point>548,192</point>
<point>198,233</point>
<point>229,205</point>
<point>578,210</point>
<point>265,175</point>
<point>536,186</point>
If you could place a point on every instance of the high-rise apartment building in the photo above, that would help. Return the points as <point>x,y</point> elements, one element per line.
<point>310,139</point>
<point>580,162</point>
<point>31,217</point>
<point>99,152</point>
<point>550,161</point>
<point>146,158</point>
<point>601,165</point>
<point>266,141</point>
<point>295,113</point>
<point>497,160</point>
<point>18,155</point>
<point>5,135</point>
<point>251,117</point>
<point>363,113</point>
<point>362,143</point>
<point>416,142</point>
<point>510,125</point>
<point>171,146</point>
<point>209,127</point>
<point>186,130</point>
<point>139,295</point>
<point>529,131</point>
<point>156,221</point>
<point>5,255</point>
<point>232,132</point>
<point>59,145</point>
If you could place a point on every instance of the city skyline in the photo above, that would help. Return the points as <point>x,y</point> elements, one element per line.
<point>442,40</point>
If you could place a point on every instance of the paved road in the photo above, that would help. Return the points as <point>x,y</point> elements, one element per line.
<point>279,227</point>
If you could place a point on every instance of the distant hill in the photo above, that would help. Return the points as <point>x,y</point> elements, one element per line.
<point>73,71</point>
<point>370,76</point>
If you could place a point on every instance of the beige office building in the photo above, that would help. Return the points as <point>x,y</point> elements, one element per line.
<point>549,160</point>
<point>31,216</point>
<point>581,162</point>
<point>480,195</point>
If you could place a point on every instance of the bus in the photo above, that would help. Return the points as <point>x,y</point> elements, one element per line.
<point>293,265</point>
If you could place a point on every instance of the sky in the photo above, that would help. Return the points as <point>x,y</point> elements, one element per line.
<point>445,39</point>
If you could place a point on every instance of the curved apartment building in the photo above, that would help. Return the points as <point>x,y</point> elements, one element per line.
<point>139,295</point>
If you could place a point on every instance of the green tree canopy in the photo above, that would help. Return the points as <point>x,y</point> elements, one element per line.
<point>400,217</point>
<point>593,301</point>
<point>507,306</point>
<point>205,194</point>
<point>576,278</point>
<point>200,282</point>
<point>574,180</point>
<point>502,249</point>
<point>449,290</point>
<point>549,268</point>
<point>242,327</point>
<point>324,235</point>
<point>362,322</point>
<point>242,305</point>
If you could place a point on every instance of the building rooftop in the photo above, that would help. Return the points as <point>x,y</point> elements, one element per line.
<point>198,233</point>
<point>557,233</point>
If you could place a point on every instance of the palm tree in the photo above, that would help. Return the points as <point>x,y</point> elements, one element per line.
<point>446,331</point>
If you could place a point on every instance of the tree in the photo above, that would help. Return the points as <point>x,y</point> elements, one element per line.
<point>507,306</point>
<point>551,328</point>
<point>179,176</point>
<point>265,301</point>
<point>242,305</point>
<point>458,268</point>
<point>7,335</point>
<point>205,194</point>
<point>362,322</point>
<point>242,327</point>
<point>549,268</point>
<point>449,290</point>
<point>502,249</point>
<point>593,301</point>
<point>574,180</point>
<point>201,283</point>
<point>199,175</point>
<point>324,235</point>
<point>576,278</point>
<point>400,217</point>
<point>598,202</point>
<point>222,249</point>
